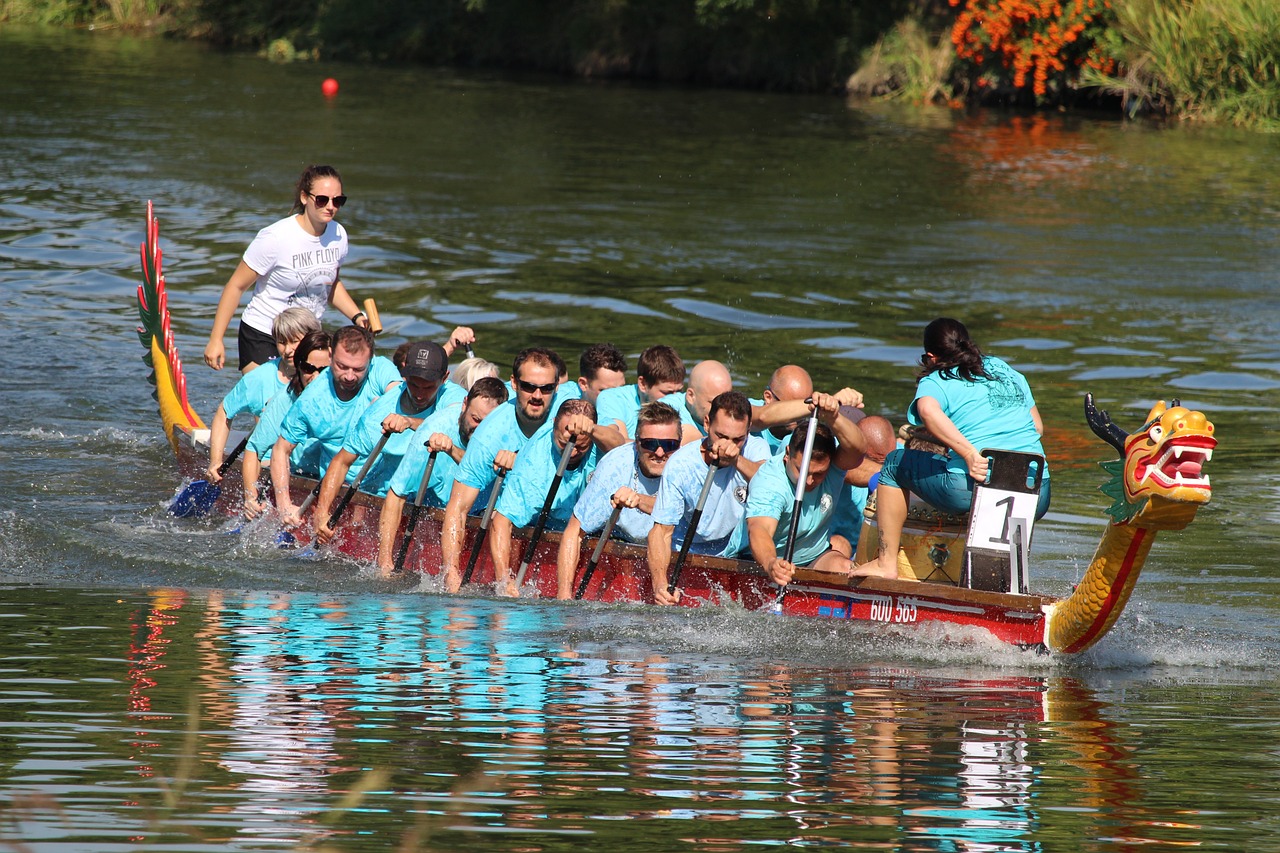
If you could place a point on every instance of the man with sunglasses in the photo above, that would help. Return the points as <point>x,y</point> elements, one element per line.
<point>532,476</point>
<point>728,447</point>
<point>659,372</point>
<point>327,408</point>
<point>838,447</point>
<point>396,414</point>
<point>627,477</point>
<point>494,445</point>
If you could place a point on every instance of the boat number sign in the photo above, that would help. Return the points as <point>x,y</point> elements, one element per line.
<point>885,608</point>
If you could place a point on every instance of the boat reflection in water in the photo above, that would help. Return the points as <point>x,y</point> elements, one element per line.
<point>313,711</point>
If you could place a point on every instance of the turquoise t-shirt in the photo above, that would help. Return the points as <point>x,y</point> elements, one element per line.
<point>617,469</point>
<point>407,477</point>
<point>499,431</point>
<point>264,435</point>
<point>721,531</point>
<point>529,480</point>
<point>366,432</point>
<point>319,415</point>
<point>773,495</point>
<point>994,413</point>
<point>623,404</point>
<point>254,390</point>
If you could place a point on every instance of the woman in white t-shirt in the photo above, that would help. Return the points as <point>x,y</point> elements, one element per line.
<point>293,262</point>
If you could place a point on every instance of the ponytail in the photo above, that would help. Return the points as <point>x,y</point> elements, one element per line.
<point>955,354</point>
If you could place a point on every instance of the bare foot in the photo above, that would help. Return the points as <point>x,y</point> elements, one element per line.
<point>874,569</point>
<point>452,581</point>
<point>506,588</point>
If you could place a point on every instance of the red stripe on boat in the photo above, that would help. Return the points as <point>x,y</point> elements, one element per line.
<point>1117,588</point>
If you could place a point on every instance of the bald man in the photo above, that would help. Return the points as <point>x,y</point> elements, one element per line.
<point>708,380</point>
<point>880,440</point>
<point>782,406</point>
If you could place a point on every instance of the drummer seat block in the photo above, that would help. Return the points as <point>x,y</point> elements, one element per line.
<point>998,545</point>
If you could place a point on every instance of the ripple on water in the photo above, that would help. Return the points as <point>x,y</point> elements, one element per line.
<point>1226,381</point>
<point>578,302</point>
<point>744,319</point>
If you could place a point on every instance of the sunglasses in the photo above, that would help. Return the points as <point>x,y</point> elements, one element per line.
<point>308,368</point>
<point>653,445</point>
<point>529,387</point>
<point>323,200</point>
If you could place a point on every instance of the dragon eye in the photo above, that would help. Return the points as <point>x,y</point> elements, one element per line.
<point>1155,432</point>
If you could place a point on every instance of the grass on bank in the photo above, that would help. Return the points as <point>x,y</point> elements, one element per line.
<point>125,14</point>
<point>1212,60</point>
<point>907,63</point>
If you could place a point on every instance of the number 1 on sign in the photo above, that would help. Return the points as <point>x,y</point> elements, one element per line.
<point>993,513</point>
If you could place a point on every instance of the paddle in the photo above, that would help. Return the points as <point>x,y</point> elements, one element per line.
<point>200,495</point>
<point>674,580</point>
<point>413,514</point>
<point>484,528</point>
<point>790,550</point>
<point>371,314</point>
<point>351,489</point>
<point>595,555</point>
<point>546,511</point>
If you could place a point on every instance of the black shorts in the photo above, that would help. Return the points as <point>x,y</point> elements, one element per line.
<point>255,347</point>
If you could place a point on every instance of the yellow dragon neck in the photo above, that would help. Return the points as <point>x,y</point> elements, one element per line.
<point>1088,613</point>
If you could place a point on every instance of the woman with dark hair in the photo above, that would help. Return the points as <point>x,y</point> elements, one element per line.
<point>309,360</point>
<point>969,402</point>
<point>293,262</point>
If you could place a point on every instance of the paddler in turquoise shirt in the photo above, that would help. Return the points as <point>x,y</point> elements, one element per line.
<point>325,410</point>
<point>529,484</point>
<point>493,446</point>
<point>838,447</point>
<point>708,380</point>
<point>397,414</point>
<point>659,373</point>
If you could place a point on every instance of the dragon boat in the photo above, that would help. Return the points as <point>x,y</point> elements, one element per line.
<point>1157,484</point>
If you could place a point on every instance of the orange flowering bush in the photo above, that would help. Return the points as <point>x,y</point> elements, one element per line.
<point>1040,44</point>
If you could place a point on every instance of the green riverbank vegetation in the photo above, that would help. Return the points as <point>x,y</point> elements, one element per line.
<point>1211,60</point>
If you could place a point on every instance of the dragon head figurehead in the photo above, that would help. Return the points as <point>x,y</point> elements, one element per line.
<point>1159,481</point>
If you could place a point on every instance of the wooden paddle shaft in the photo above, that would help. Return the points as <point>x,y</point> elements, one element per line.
<point>417,509</point>
<point>595,555</point>
<point>235,452</point>
<point>546,510</point>
<point>371,313</point>
<point>351,490</point>
<point>674,581</point>
<point>478,542</point>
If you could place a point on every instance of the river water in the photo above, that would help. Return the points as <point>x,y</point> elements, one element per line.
<point>166,685</point>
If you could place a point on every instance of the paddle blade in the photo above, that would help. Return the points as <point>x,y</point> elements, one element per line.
<point>195,500</point>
